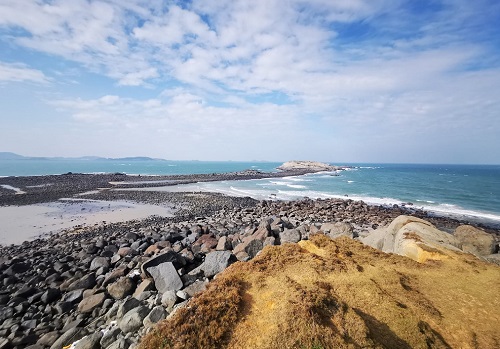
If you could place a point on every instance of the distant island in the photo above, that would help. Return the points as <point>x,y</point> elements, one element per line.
<point>313,166</point>
<point>14,156</point>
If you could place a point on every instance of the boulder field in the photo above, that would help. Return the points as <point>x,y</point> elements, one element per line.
<point>270,275</point>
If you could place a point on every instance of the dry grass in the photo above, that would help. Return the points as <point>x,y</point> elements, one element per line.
<point>326,293</point>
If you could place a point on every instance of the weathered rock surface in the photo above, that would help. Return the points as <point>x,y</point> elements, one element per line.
<point>133,319</point>
<point>165,277</point>
<point>414,238</point>
<point>475,241</point>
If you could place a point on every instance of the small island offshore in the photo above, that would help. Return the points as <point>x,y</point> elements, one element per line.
<point>122,265</point>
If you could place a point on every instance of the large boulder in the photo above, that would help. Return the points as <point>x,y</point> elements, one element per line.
<point>169,256</point>
<point>334,230</point>
<point>121,288</point>
<point>214,263</point>
<point>133,320</point>
<point>165,277</point>
<point>414,238</point>
<point>88,304</point>
<point>290,236</point>
<point>475,241</point>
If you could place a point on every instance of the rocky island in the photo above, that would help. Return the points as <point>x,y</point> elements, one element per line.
<point>312,166</point>
<point>230,272</point>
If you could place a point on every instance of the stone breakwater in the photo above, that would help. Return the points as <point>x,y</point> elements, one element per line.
<point>107,286</point>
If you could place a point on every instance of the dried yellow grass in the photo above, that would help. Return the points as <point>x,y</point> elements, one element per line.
<point>325,293</point>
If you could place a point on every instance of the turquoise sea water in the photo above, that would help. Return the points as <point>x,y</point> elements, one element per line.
<point>461,190</point>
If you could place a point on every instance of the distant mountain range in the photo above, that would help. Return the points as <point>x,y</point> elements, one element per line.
<point>14,156</point>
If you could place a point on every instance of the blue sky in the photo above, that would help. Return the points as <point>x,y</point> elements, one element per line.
<point>328,80</point>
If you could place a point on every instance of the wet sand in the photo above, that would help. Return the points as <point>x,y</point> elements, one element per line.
<point>20,223</point>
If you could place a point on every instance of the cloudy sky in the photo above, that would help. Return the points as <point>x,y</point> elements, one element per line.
<point>329,80</point>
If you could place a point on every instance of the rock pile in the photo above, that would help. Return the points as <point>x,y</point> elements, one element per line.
<point>110,284</point>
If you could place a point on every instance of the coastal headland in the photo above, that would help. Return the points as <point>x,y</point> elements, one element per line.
<point>357,274</point>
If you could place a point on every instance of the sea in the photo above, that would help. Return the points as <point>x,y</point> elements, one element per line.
<point>470,192</point>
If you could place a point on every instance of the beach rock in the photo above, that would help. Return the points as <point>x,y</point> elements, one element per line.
<point>337,229</point>
<point>126,306</point>
<point>63,307</point>
<point>414,238</point>
<point>223,244</point>
<point>115,274</point>
<point>253,247</point>
<point>99,262</point>
<point>120,343</point>
<point>17,268</point>
<point>4,343</point>
<point>157,314</point>
<point>196,287</point>
<point>91,341</point>
<point>214,263</point>
<point>68,338</point>
<point>88,281</point>
<point>49,338</point>
<point>73,296</point>
<point>168,300</point>
<point>50,295</point>
<point>289,236</point>
<point>475,241</point>
<point>121,288</point>
<point>144,286</point>
<point>109,337</point>
<point>165,277</point>
<point>169,256</point>
<point>87,305</point>
<point>133,319</point>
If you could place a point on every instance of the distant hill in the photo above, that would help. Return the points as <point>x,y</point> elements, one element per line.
<point>10,156</point>
<point>14,156</point>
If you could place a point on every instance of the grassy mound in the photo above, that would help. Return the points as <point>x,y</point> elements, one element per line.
<point>325,293</point>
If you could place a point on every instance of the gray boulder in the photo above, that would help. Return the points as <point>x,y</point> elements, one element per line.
<point>166,277</point>
<point>126,306</point>
<point>132,321</point>
<point>169,256</point>
<point>109,337</point>
<point>120,343</point>
<point>214,263</point>
<point>168,300</point>
<point>90,341</point>
<point>334,230</point>
<point>99,262</point>
<point>289,236</point>
<point>155,315</point>
<point>68,338</point>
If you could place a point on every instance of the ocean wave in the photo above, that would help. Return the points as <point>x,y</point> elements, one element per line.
<point>296,186</point>
<point>279,183</point>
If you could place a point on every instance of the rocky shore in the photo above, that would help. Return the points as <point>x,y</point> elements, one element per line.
<point>108,285</point>
<point>38,189</point>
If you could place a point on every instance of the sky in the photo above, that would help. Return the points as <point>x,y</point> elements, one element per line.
<point>392,81</point>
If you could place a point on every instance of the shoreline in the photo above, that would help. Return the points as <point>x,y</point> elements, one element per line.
<point>145,196</point>
<point>92,281</point>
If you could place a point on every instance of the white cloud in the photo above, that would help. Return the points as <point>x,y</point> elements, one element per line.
<point>258,66</point>
<point>18,72</point>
